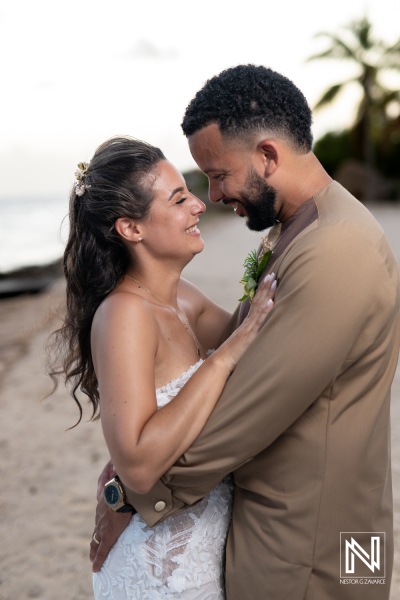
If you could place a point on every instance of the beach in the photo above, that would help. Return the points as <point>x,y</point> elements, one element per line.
<point>49,473</point>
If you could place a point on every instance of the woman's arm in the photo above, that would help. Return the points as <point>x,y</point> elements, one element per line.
<point>211,321</point>
<point>143,441</point>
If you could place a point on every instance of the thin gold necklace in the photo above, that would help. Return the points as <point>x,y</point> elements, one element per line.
<point>185,321</point>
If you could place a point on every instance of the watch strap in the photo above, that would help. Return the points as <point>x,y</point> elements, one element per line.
<point>126,508</point>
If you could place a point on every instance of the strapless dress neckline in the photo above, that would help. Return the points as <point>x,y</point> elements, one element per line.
<point>187,374</point>
<point>165,393</point>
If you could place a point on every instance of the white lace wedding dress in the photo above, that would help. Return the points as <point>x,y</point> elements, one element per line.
<point>181,557</point>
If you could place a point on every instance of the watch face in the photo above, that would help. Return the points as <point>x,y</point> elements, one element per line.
<point>111,494</point>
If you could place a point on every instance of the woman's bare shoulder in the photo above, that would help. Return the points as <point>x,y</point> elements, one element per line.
<point>122,308</point>
<point>191,295</point>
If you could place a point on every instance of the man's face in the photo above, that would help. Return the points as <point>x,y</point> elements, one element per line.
<point>259,202</point>
<point>233,178</point>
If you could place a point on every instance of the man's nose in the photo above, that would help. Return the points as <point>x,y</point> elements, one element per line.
<point>214,192</point>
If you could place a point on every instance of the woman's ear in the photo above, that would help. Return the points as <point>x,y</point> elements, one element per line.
<point>270,155</point>
<point>128,229</point>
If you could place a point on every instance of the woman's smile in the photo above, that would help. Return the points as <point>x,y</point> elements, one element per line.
<point>192,230</point>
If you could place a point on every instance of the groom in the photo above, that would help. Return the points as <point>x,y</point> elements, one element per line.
<point>304,420</point>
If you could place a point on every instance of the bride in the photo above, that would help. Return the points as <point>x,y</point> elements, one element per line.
<point>136,337</point>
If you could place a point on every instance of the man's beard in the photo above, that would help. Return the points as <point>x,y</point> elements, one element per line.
<point>259,202</point>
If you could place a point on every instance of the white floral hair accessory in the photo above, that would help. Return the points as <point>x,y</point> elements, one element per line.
<point>79,183</point>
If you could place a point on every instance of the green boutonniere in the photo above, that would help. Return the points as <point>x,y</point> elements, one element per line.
<point>253,267</point>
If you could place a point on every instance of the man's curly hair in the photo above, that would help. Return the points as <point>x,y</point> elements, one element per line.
<point>247,99</point>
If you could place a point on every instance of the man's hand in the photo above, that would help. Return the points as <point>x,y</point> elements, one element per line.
<point>109,524</point>
<point>107,473</point>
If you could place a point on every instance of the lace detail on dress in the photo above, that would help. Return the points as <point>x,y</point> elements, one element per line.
<point>170,390</point>
<point>181,557</point>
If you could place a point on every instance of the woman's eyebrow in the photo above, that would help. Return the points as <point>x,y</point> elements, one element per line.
<point>175,191</point>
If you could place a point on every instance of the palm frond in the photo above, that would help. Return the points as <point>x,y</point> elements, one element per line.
<point>395,49</point>
<point>328,96</point>
<point>361,30</point>
<point>338,50</point>
<point>389,61</point>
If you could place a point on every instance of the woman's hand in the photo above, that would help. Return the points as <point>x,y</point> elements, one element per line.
<point>261,305</point>
<point>235,346</point>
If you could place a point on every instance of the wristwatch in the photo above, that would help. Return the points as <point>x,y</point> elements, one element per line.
<point>114,495</point>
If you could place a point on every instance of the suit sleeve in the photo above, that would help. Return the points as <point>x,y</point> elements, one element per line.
<point>330,284</point>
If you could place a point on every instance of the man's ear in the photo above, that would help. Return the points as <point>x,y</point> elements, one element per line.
<point>270,153</point>
<point>128,229</point>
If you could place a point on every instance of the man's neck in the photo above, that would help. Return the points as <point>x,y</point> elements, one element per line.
<point>307,178</point>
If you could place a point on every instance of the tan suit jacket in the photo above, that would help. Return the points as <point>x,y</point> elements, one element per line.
<point>304,421</point>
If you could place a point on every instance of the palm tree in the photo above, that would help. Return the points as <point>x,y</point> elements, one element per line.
<point>372,57</point>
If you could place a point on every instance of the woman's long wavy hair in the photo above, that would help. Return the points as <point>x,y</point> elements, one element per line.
<point>95,258</point>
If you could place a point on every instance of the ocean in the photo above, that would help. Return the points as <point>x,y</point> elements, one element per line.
<point>32,230</point>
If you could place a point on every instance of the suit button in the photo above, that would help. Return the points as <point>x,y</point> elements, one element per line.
<point>160,505</point>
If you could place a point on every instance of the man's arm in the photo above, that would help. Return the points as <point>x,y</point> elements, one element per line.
<point>331,284</point>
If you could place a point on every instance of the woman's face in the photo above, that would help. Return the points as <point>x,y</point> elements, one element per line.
<point>170,229</point>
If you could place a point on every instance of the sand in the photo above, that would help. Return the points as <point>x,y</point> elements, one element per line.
<point>49,475</point>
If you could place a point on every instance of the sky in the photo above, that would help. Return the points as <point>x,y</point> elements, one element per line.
<point>76,73</point>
